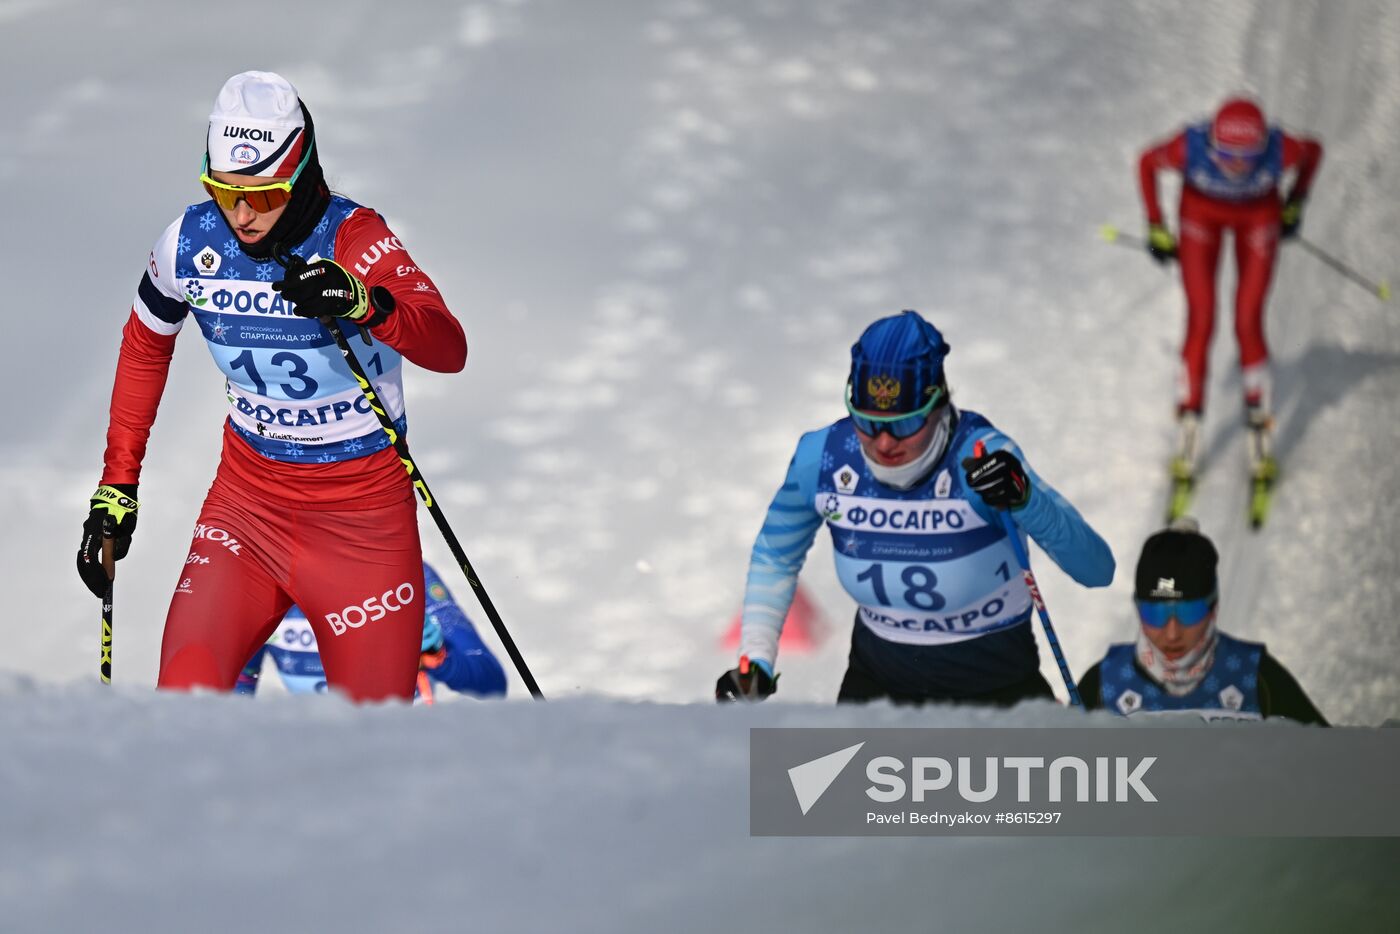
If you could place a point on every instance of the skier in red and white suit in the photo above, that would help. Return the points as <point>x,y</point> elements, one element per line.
<point>310,504</point>
<point>1231,169</point>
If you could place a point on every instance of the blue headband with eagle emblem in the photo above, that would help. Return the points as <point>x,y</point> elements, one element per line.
<point>897,365</point>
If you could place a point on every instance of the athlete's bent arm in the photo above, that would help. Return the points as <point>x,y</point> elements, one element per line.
<point>1048,517</point>
<point>421,328</point>
<point>1304,154</point>
<point>1280,694</point>
<point>465,664</point>
<point>1168,155</point>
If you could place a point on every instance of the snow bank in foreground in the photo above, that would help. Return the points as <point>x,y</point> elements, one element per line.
<point>130,811</point>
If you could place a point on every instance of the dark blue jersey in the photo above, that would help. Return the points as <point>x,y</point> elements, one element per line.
<point>1230,689</point>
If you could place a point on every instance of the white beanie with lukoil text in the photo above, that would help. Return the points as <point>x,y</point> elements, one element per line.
<point>257,127</point>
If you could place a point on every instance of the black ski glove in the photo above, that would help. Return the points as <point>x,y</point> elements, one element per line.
<point>1292,218</point>
<point>1160,243</point>
<point>325,289</point>
<point>999,479</point>
<point>748,682</point>
<point>118,501</point>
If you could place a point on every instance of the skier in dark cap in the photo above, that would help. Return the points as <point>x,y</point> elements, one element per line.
<point>1181,661</point>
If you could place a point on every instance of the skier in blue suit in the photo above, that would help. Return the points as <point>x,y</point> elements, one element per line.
<point>913,490</point>
<point>453,654</point>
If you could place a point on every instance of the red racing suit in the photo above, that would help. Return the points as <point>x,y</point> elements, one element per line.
<point>309,505</point>
<point>1211,203</point>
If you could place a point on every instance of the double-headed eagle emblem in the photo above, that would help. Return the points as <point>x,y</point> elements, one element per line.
<point>884,390</point>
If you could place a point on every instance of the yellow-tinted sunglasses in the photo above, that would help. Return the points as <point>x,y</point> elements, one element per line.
<point>261,198</point>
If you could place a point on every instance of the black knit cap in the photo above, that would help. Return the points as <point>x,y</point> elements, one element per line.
<point>1176,564</point>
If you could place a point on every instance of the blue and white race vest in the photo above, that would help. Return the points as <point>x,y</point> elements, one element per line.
<point>293,650</point>
<point>291,395</point>
<point>1229,690</point>
<point>929,566</point>
<point>923,565</point>
<point>1205,176</point>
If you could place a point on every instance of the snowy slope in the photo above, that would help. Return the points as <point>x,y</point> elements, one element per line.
<point>662,225</point>
<point>302,814</point>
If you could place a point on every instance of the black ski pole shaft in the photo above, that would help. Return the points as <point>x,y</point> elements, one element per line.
<point>1379,289</point>
<point>421,485</point>
<point>109,565</point>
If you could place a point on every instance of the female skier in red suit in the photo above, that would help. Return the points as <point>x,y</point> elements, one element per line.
<point>1232,167</point>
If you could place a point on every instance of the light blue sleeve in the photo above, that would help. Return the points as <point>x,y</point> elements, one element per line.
<point>1047,517</point>
<point>780,550</point>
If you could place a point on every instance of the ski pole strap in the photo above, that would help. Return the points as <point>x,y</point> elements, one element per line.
<point>109,546</point>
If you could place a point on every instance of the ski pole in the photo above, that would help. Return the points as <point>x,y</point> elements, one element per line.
<point>425,688</point>
<point>1024,560</point>
<point>109,564</point>
<point>1111,234</point>
<point>421,485</point>
<point>1379,289</point>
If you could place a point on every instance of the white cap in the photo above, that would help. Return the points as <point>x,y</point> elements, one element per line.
<point>257,127</point>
